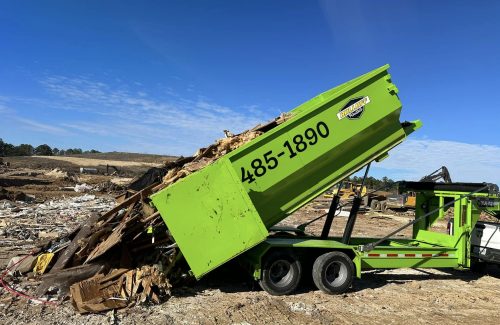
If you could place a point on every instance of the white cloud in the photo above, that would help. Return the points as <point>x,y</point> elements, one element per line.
<point>131,119</point>
<point>183,124</point>
<point>41,127</point>
<point>466,162</point>
<point>10,115</point>
<point>87,127</point>
<point>3,105</point>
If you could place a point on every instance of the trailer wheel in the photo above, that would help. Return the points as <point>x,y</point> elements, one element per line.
<point>478,266</point>
<point>281,273</point>
<point>375,205</point>
<point>333,272</point>
<point>383,206</point>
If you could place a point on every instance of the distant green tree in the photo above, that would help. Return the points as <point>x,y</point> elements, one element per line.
<point>7,149</point>
<point>55,151</point>
<point>74,151</point>
<point>384,184</point>
<point>2,148</point>
<point>43,150</point>
<point>24,150</point>
<point>10,150</point>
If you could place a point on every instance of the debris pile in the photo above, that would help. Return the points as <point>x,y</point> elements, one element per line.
<point>205,156</point>
<point>126,255</point>
<point>83,187</point>
<point>120,288</point>
<point>58,174</point>
<point>21,224</point>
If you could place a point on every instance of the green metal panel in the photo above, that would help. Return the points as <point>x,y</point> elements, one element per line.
<point>210,229</point>
<point>352,142</point>
<point>394,263</point>
<point>224,209</point>
<point>465,215</point>
<point>393,254</point>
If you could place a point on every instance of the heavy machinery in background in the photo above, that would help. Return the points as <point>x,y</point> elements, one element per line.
<point>230,208</point>
<point>406,200</point>
<point>439,174</point>
<point>382,199</point>
<point>347,190</point>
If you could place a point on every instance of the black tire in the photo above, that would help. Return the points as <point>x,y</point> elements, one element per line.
<point>375,205</point>
<point>383,206</point>
<point>333,272</point>
<point>281,273</point>
<point>477,266</point>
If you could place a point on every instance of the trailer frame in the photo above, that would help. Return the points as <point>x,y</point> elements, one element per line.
<point>427,248</point>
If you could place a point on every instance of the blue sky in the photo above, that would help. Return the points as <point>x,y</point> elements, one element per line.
<point>168,76</point>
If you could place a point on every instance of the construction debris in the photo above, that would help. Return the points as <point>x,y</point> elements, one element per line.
<point>57,173</point>
<point>120,288</point>
<point>205,156</point>
<point>42,262</point>
<point>126,255</point>
<point>22,224</point>
<point>83,188</point>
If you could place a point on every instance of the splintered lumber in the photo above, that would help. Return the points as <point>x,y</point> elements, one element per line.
<point>151,217</point>
<point>120,288</point>
<point>156,174</point>
<point>113,239</point>
<point>65,278</point>
<point>89,296</point>
<point>68,253</point>
<point>134,198</point>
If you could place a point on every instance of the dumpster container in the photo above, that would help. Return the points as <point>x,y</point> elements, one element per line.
<point>227,207</point>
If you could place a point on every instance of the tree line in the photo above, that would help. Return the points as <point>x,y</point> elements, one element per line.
<point>384,184</point>
<point>8,150</point>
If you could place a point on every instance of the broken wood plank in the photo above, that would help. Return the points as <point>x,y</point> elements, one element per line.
<point>68,253</point>
<point>114,238</point>
<point>87,296</point>
<point>134,198</point>
<point>65,278</point>
<point>108,216</point>
<point>151,217</point>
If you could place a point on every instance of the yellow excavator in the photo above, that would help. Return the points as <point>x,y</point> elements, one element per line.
<point>381,200</point>
<point>346,191</point>
<point>407,200</point>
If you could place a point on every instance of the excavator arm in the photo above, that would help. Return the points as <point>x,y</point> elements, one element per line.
<point>441,173</point>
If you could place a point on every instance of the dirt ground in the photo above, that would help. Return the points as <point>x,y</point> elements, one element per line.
<point>93,162</point>
<point>128,164</point>
<point>228,295</point>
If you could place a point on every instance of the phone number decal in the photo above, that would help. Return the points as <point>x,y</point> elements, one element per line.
<point>269,161</point>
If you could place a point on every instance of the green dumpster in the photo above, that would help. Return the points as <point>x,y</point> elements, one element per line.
<point>227,207</point>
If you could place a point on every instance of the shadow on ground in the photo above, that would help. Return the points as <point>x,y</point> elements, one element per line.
<point>232,278</point>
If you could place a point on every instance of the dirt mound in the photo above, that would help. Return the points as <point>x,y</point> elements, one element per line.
<point>12,195</point>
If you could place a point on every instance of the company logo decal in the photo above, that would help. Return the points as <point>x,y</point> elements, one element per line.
<point>354,108</point>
